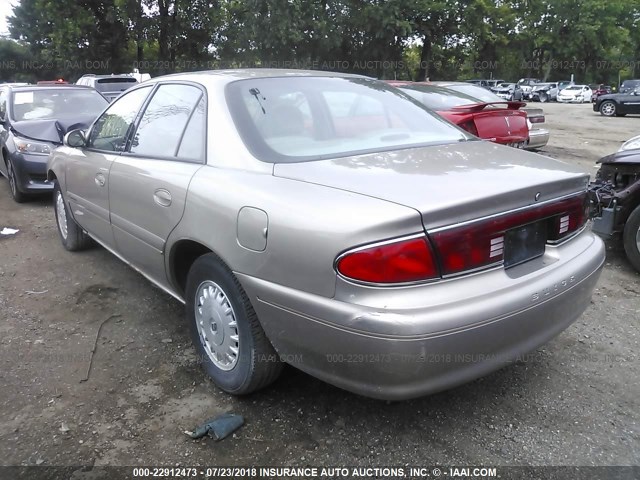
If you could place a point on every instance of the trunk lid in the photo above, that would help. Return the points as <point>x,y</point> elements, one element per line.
<point>447,184</point>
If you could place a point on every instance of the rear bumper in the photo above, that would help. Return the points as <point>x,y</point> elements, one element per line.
<point>396,354</point>
<point>538,138</point>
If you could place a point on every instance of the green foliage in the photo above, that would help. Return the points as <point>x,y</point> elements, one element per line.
<point>594,40</point>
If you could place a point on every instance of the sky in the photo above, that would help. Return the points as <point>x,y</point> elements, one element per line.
<point>6,8</point>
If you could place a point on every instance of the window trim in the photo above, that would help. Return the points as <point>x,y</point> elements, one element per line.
<point>175,158</point>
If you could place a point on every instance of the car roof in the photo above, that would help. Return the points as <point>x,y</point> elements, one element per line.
<point>250,73</point>
<point>56,86</point>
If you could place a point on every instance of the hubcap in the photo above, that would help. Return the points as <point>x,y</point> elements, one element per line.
<point>608,109</point>
<point>62,215</point>
<point>217,326</point>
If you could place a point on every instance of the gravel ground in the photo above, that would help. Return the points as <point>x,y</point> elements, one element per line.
<point>574,402</point>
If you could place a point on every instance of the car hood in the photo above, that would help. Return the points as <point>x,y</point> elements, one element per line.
<point>626,156</point>
<point>50,130</point>
<point>570,93</point>
<point>447,183</point>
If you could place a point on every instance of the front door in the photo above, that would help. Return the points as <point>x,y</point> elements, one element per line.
<point>88,169</point>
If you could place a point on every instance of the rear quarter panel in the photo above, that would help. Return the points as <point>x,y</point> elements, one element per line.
<point>309,225</point>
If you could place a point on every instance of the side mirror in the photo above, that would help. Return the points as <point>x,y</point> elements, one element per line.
<point>75,139</point>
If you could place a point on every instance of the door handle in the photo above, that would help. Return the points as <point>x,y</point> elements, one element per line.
<point>162,197</point>
<point>100,179</point>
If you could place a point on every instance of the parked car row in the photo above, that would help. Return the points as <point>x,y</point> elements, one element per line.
<point>328,218</point>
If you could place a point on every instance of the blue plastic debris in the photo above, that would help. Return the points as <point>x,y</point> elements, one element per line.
<point>219,427</point>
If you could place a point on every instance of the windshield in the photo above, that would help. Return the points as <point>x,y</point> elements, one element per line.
<point>575,87</point>
<point>439,98</point>
<point>313,118</point>
<point>479,93</point>
<point>59,103</point>
<point>115,84</point>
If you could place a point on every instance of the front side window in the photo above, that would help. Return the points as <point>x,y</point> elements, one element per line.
<point>110,130</point>
<point>311,118</point>
<point>165,119</point>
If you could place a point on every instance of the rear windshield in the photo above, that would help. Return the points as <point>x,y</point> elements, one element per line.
<point>439,98</point>
<point>59,103</point>
<point>115,84</point>
<point>312,118</point>
<point>479,93</point>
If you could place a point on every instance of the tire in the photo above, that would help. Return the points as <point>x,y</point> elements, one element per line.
<point>72,237</point>
<point>244,360</point>
<point>631,238</point>
<point>15,192</point>
<point>608,108</point>
<point>544,98</point>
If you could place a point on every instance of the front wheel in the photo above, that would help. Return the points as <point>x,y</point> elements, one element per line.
<point>225,330</point>
<point>543,98</point>
<point>16,194</point>
<point>608,108</point>
<point>72,237</point>
<point>631,238</point>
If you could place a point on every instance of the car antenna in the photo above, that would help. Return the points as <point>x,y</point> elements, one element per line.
<point>256,93</point>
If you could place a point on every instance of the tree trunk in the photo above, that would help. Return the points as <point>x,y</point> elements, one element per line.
<point>139,32</point>
<point>163,35</point>
<point>425,59</point>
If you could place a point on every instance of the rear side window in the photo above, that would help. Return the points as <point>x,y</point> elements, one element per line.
<point>166,120</point>
<point>193,142</point>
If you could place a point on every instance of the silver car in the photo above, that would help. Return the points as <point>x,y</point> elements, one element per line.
<point>332,222</point>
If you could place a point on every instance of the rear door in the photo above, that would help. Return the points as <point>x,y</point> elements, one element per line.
<point>87,171</point>
<point>149,182</point>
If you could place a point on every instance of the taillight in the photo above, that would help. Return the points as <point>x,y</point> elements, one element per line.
<point>402,261</point>
<point>480,244</point>
<point>571,220</point>
<point>470,127</point>
<point>538,119</point>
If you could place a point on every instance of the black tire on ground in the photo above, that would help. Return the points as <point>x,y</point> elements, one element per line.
<point>15,192</point>
<point>544,98</point>
<point>72,237</point>
<point>631,238</point>
<point>608,108</point>
<point>256,364</point>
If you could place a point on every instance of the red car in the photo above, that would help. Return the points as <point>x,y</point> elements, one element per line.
<point>485,115</point>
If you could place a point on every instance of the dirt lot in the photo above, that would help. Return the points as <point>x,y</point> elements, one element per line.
<point>576,402</point>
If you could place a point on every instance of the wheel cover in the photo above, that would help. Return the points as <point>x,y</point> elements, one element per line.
<point>217,326</point>
<point>608,108</point>
<point>61,213</point>
<point>12,178</point>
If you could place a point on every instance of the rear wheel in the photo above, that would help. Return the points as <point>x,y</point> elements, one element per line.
<point>234,349</point>
<point>631,238</point>
<point>608,108</point>
<point>72,237</point>
<point>16,194</point>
